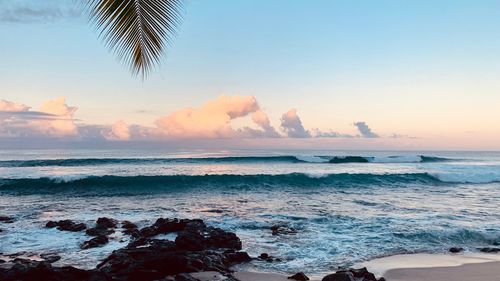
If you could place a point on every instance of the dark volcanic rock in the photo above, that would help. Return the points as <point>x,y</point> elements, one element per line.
<point>219,238</point>
<point>237,257</point>
<point>341,276</point>
<point>6,219</point>
<point>99,231</point>
<point>50,258</point>
<point>128,225</point>
<point>170,225</point>
<point>66,225</point>
<point>51,224</point>
<point>106,222</point>
<point>197,248</point>
<point>148,231</point>
<point>185,277</point>
<point>281,229</point>
<point>361,274</point>
<point>95,242</point>
<point>24,270</point>
<point>490,250</point>
<point>299,276</point>
<point>264,256</point>
<point>190,240</point>
<point>456,250</point>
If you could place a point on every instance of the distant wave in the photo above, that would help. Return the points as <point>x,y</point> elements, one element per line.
<point>140,184</point>
<point>232,159</point>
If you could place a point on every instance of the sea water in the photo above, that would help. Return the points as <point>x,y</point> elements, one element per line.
<point>345,206</point>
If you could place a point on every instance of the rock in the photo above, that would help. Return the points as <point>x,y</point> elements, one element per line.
<point>128,225</point>
<point>170,225</point>
<point>66,225</point>
<point>106,222</point>
<point>50,258</point>
<point>264,256</point>
<point>341,276</point>
<point>34,271</point>
<point>51,224</point>
<point>238,257</point>
<point>99,231</point>
<point>280,229</point>
<point>6,219</point>
<point>191,241</point>
<point>299,276</point>
<point>185,277</point>
<point>94,242</point>
<point>148,231</point>
<point>219,238</point>
<point>456,250</point>
<point>351,274</point>
<point>489,250</point>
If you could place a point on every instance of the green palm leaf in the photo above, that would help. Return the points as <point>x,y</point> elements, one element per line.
<point>136,30</point>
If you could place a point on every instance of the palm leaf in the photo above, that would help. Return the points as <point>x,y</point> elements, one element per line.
<point>136,30</point>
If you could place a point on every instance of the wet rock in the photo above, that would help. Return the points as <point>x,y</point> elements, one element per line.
<point>281,229</point>
<point>50,258</point>
<point>300,276</point>
<point>148,231</point>
<point>490,250</point>
<point>94,242</point>
<point>99,231</point>
<point>341,276</point>
<point>456,250</point>
<point>128,225</point>
<point>264,256</point>
<point>66,225</point>
<point>170,225</point>
<point>51,224</point>
<point>185,277</point>
<point>6,219</point>
<point>106,222</point>
<point>238,257</point>
<point>35,271</point>
<point>361,274</point>
<point>190,240</point>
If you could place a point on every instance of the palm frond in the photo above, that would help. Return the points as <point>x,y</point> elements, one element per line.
<point>136,30</point>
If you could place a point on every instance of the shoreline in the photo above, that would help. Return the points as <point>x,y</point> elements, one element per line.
<point>204,253</point>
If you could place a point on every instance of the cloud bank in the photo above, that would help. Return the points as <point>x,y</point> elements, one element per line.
<point>215,119</point>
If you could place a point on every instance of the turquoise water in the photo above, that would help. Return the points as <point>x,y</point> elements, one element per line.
<point>346,206</point>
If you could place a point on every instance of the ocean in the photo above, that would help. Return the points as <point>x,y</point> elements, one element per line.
<point>344,207</point>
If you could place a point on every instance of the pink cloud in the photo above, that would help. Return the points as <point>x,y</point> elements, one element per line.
<point>118,131</point>
<point>213,119</point>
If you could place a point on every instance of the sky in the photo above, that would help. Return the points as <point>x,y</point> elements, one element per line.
<point>353,74</point>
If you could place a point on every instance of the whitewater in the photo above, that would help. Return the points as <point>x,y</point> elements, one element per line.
<point>345,206</point>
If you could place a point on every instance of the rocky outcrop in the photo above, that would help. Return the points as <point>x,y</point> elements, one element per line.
<point>351,274</point>
<point>300,276</point>
<point>66,225</point>
<point>6,219</point>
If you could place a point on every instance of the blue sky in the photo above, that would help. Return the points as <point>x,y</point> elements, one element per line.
<point>425,69</point>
